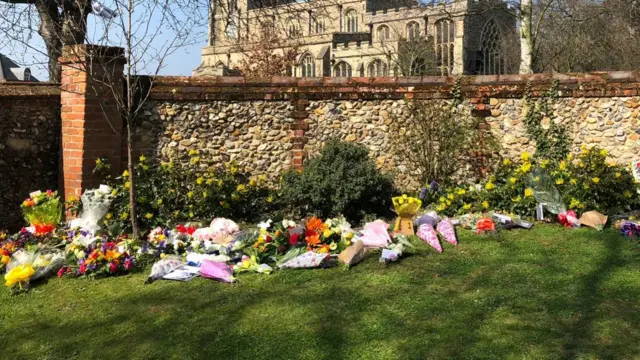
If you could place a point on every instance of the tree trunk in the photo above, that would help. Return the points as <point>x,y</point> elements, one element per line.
<point>526,37</point>
<point>60,27</point>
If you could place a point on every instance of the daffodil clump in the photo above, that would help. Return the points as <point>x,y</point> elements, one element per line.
<point>586,180</point>
<point>188,191</point>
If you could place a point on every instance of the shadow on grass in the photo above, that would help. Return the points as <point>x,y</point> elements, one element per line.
<point>515,297</point>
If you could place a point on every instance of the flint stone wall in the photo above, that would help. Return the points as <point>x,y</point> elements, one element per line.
<point>29,145</point>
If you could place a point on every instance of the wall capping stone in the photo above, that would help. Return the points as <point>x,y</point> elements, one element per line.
<point>597,84</point>
<point>31,90</point>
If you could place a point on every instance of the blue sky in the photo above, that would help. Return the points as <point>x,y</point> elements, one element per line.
<point>181,62</point>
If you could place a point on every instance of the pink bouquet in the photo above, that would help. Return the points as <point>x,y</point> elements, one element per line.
<point>375,234</point>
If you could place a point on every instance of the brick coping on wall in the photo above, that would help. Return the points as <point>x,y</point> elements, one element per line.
<point>30,90</point>
<point>600,84</point>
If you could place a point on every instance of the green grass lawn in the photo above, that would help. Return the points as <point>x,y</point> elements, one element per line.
<point>548,293</point>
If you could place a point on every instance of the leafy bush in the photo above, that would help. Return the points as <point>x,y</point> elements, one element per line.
<point>586,182</point>
<point>437,137</point>
<point>342,179</point>
<point>170,193</point>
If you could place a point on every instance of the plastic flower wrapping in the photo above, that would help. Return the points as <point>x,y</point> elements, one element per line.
<point>42,210</point>
<point>28,265</point>
<point>95,205</point>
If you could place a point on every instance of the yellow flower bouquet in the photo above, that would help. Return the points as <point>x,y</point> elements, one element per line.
<point>407,208</point>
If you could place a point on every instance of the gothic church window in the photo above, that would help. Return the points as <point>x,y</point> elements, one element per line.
<point>413,31</point>
<point>308,65</point>
<point>352,21</point>
<point>445,37</point>
<point>490,60</point>
<point>383,33</point>
<point>378,68</point>
<point>342,69</point>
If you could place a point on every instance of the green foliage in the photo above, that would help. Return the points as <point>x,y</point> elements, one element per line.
<point>170,193</point>
<point>437,137</point>
<point>551,143</point>
<point>586,182</point>
<point>342,179</point>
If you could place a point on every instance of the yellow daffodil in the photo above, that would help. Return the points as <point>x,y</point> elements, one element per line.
<point>240,188</point>
<point>462,192</point>
<point>159,202</point>
<point>270,199</point>
<point>489,186</point>
<point>525,156</point>
<point>205,194</point>
<point>234,170</point>
<point>194,160</point>
<point>544,164</point>
<point>19,275</point>
<point>517,199</point>
<point>451,196</point>
<point>618,174</point>
<point>142,158</point>
<point>98,161</point>
<point>199,181</point>
<point>253,182</point>
<point>604,152</point>
<point>560,181</point>
<point>327,233</point>
<point>149,216</point>
<point>595,180</point>
<point>513,180</point>
<point>442,207</point>
<point>573,181</point>
<point>5,259</point>
<point>191,214</point>
<point>581,164</point>
<point>190,194</point>
<point>108,216</point>
<point>442,199</point>
<point>448,202</point>
<point>574,203</point>
<point>193,152</point>
<point>570,157</point>
<point>124,216</point>
<point>466,206</point>
<point>562,166</point>
<point>209,181</point>
<point>485,204</point>
<point>127,185</point>
<point>114,192</point>
<point>528,192</point>
<point>262,177</point>
<point>525,167</point>
<point>506,162</point>
<point>125,173</point>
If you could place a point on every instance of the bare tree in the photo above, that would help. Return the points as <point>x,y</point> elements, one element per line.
<point>268,55</point>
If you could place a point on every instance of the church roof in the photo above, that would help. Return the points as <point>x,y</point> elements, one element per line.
<point>11,71</point>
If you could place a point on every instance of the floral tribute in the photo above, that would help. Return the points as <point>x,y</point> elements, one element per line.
<point>43,211</point>
<point>97,256</point>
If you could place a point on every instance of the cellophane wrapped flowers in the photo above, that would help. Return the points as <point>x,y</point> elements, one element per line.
<point>31,264</point>
<point>42,210</point>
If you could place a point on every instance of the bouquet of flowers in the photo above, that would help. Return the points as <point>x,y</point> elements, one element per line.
<point>168,242</point>
<point>407,209</point>
<point>220,231</point>
<point>28,265</point>
<point>101,258</point>
<point>42,211</point>
<point>95,205</point>
<point>331,236</point>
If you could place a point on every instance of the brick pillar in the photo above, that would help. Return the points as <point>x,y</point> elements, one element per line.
<point>92,126</point>
<point>298,128</point>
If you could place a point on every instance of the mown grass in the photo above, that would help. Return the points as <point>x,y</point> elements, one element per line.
<point>548,293</point>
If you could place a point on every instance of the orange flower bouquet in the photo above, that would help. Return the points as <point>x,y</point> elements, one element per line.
<point>43,211</point>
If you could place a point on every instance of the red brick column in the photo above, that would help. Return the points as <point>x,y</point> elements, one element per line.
<point>92,126</point>
<point>298,139</point>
